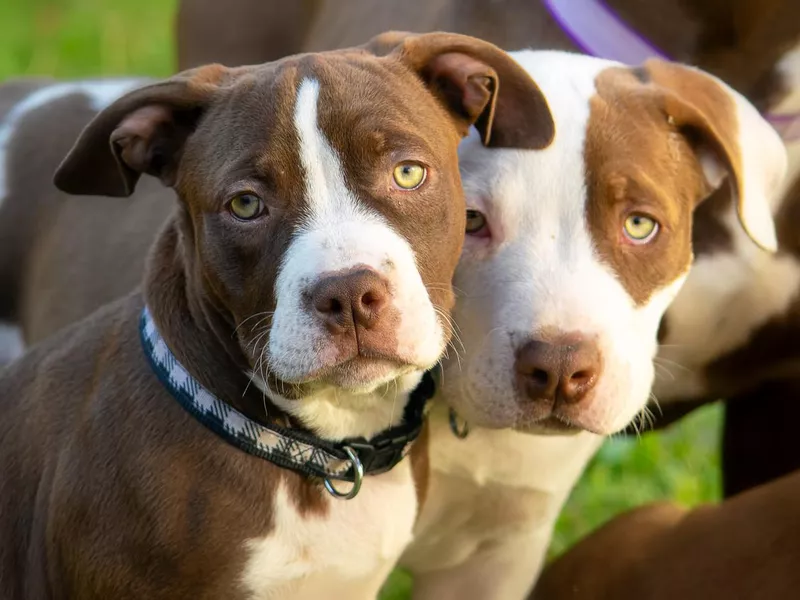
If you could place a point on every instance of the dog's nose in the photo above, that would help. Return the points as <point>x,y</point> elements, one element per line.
<point>557,372</point>
<point>348,299</point>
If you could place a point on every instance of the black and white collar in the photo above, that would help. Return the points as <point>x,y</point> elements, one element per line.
<point>347,460</point>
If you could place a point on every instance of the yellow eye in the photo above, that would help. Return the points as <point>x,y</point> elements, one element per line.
<point>409,175</point>
<point>246,206</point>
<point>640,229</point>
<point>476,222</point>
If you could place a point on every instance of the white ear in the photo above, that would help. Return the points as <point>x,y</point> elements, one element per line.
<point>763,164</point>
<point>737,141</point>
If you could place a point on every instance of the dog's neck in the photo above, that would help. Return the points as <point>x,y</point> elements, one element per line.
<point>200,333</point>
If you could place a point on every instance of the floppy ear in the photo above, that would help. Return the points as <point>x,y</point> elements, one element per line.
<point>734,141</point>
<point>479,83</point>
<point>142,132</point>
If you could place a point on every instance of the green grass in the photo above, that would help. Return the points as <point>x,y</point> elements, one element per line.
<point>78,38</point>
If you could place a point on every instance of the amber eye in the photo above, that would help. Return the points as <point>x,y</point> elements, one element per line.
<point>640,229</point>
<point>246,206</point>
<point>476,222</point>
<point>409,175</point>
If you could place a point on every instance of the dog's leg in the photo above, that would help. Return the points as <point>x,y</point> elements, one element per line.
<point>504,571</point>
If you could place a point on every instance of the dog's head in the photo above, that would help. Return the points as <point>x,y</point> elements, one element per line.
<point>574,251</point>
<point>321,209</point>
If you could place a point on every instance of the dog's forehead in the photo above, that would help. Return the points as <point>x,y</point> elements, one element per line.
<point>613,144</point>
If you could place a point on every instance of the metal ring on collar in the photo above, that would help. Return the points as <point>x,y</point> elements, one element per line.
<point>460,433</point>
<point>358,468</point>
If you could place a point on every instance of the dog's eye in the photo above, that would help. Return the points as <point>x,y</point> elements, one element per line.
<point>246,206</point>
<point>476,223</point>
<point>409,175</point>
<point>640,229</point>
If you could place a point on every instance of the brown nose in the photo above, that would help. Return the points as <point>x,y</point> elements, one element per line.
<point>558,372</point>
<point>353,298</point>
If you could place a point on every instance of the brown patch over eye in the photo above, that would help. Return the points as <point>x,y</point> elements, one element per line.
<point>643,182</point>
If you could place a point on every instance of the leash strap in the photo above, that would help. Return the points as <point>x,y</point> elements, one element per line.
<point>596,29</point>
<point>288,448</point>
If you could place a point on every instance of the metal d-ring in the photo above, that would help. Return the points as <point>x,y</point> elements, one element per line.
<point>358,470</point>
<point>459,433</point>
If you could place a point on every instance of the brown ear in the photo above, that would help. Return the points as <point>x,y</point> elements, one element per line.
<point>142,132</point>
<point>734,141</point>
<point>480,84</point>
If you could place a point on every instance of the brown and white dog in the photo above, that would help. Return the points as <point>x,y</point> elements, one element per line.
<point>747,547</point>
<point>732,334</point>
<point>319,221</point>
<point>549,285</point>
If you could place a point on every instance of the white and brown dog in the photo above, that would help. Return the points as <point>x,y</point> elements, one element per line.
<point>573,254</point>
<point>319,222</point>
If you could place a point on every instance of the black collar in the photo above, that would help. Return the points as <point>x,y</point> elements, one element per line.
<point>346,460</point>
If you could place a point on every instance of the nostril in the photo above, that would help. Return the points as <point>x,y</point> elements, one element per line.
<point>329,306</point>
<point>370,299</point>
<point>540,376</point>
<point>581,377</point>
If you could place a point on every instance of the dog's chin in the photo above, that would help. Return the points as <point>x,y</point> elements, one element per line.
<point>356,375</point>
<point>363,375</point>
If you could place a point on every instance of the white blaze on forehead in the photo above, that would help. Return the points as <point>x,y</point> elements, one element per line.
<point>99,93</point>
<point>329,199</point>
<point>340,232</point>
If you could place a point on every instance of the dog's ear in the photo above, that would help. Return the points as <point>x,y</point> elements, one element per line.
<point>480,84</point>
<point>142,132</point>
<point>731,140</point>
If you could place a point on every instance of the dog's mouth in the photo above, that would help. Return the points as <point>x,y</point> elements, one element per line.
<point>363,372</point>
<point>552,424</point>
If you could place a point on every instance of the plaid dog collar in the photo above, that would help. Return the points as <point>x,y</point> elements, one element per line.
<point>348,460</point>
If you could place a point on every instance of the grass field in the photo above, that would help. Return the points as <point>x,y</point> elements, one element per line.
<point>76,38</point>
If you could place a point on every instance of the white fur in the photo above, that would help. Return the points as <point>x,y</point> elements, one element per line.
<point>727,296</point>
<point>492,501</point>
<point>100,93</point>
<point>763,158</point>
<point>340,233</point>
<point>545,272</point>
<point>346,553</point>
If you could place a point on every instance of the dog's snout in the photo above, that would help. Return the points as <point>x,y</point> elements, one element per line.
<point>354,298</point>
<point>557,372</point>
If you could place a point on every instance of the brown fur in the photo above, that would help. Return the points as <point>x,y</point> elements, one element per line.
<point>746,547</point>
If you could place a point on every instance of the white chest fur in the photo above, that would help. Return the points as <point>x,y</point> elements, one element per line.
<point>346,553</point>
<point>493,488</point>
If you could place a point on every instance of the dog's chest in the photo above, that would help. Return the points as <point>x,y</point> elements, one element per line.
<point>490,488</point>
<point>345,551</point>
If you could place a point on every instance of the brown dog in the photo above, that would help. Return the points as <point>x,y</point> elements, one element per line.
<point>744,350</point>
<point>747,548</point>
<point>175,444</point>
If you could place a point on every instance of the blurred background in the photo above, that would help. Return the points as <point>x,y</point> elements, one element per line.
<point>86,38</point>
